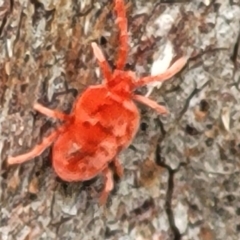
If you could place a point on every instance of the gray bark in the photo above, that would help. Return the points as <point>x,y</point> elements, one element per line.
<point>193,192</point>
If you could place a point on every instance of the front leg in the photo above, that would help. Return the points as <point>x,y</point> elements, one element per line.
<point>102,62</point>
<point>150,103</point>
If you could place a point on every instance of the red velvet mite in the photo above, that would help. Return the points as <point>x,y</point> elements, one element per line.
<point>103,121</point>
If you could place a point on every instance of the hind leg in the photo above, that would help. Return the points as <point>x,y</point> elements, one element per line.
<point>47,141</point>
<point>108,178</point>
<point>118,167</point>
<point>108,185</point>
<point>51,113</point>
<point>37,150</point>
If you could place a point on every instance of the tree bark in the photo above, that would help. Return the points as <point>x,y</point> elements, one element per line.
<point>182,173</point>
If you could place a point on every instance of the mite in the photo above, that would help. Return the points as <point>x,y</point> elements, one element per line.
<point>103,121</point>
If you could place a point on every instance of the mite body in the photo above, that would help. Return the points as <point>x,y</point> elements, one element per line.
<point>107,125</point>
<point>103,121</point>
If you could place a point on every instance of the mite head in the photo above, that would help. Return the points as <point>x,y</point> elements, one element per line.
<point>122,82</point>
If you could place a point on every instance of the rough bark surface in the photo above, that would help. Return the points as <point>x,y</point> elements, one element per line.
<point>182,172</point>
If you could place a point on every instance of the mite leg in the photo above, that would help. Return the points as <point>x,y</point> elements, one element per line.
<point>102,61</point>
<point>118,167</point>
<point>37,150</point>
<point>108,186</point>
<point>170,72</point>
<point>123,38</point>
<point>150,103</point>
<point>51,113</point>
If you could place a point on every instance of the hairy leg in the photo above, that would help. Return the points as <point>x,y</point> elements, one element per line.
<point>108,185</point>
<point>170,72</point>
<point>102,61</point>
<point>118,167</point>
<point>37,150</point>
<point>51,113</point>
<point>122,24</point>
<point>150,103</point>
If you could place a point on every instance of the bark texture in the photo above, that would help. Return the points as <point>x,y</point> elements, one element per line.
<point>182,171</point>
